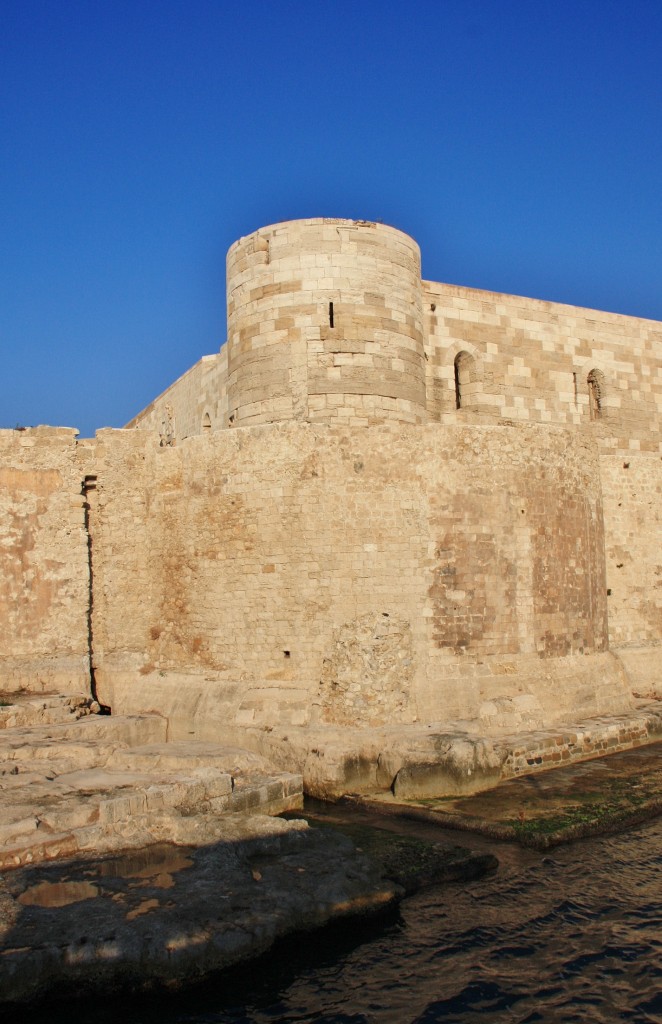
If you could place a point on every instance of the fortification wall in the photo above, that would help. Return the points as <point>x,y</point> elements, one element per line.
<point>44,579</point>
<point>632,494</point>
<point>325,322</point>
<point>195,403</point>
<point>304,574</point>
<point>328,320</point>
<point>530,360</point>
<point>301,574</point>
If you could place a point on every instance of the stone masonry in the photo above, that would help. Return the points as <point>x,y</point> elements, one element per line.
<point>387,510</point>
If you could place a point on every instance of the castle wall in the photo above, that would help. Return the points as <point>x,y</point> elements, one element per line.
<point>530,360</point>
<point>44,579</point>
<point>435,504</point>
<point>196,402</point>
<point>301,574</point>
<point>632,494</point>
<point>406,350</point>
<point>324,322</point>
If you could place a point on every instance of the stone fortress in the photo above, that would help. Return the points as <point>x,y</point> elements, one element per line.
<point>395,534</point>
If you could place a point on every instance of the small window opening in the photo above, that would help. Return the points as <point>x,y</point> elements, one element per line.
<point>595,381</point>
<point>206,422</point>
<point>458,387</point>
<point>330,314</point>
<point>464,375</point>
<point>286,653</point>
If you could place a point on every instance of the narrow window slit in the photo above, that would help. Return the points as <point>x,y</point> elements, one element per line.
<point>330,314</point>
<point>596,390</point>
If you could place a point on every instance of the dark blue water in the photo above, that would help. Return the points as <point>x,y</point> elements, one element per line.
<point>571,936</point>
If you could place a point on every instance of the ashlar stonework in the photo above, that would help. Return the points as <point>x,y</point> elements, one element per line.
<point>390,530</point>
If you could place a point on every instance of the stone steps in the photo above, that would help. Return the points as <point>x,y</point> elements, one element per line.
<point>99,783</point>
<point>46,710</point>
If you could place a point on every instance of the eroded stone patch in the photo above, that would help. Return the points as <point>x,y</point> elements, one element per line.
<point>367,672</point>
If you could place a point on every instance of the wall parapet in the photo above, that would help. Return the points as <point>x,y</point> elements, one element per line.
<point>329,320</point>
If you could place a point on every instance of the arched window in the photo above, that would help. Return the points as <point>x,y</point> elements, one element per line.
<point>596,393</point>
<point>206,422</point>
<point>464,376</point>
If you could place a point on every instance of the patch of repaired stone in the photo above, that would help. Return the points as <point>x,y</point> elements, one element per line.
<point>596,797</point>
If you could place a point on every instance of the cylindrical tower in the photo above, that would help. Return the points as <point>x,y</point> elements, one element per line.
<point>325,322</point>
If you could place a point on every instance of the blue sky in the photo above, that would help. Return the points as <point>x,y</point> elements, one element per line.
<point>520,143</point>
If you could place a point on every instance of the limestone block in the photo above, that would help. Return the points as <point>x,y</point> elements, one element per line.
<point>460,767</point>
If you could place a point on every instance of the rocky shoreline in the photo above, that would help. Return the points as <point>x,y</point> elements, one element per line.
<point>169,916</point>
<point>132,863</point>
<point>541,811</point>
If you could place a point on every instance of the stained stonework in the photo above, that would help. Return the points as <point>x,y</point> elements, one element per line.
<point>252,569</point>
<point>385,502</point>
<point>44,577</point>
<point>367,674</point>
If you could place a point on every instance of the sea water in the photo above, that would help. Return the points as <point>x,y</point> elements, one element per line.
<point>572,935</point>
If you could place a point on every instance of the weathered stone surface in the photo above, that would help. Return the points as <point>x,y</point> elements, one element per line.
<point>458,766</point>
<point>387,503</point>
<point>106,783</point>
<point>166,915</point>
<point>47,710</point>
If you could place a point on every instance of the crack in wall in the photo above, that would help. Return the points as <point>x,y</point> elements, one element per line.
<point>88,488</point>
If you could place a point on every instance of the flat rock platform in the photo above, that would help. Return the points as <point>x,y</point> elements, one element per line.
<point>129,862</point>
<point>544,809</point>
<point>73,781</point>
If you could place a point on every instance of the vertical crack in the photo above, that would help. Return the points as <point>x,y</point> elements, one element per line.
<point>90,485</point>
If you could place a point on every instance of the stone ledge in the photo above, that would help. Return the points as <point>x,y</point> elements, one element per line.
<point>106,783</point>
<point>168,916</point>
<point>439,760</point>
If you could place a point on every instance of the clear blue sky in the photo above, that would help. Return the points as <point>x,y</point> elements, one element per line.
<point>520,143</point>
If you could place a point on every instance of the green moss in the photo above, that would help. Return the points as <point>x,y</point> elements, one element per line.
<point>432,801</point>
<point>590,813</point>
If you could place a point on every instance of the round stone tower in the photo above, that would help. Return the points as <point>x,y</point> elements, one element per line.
<point>325,322</point>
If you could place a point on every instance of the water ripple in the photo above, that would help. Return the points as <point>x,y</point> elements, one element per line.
<point>573,937</point>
